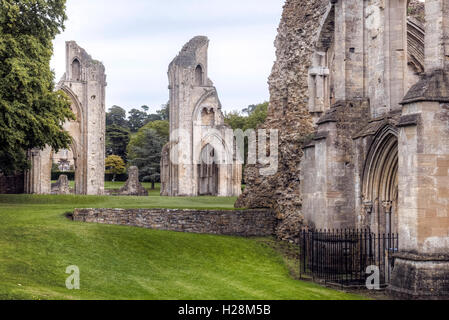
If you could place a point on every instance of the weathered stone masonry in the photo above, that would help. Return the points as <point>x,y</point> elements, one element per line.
<point>84,83</point>
<point>199,159</point>
<point>360,94</point>
<point>246,223</point>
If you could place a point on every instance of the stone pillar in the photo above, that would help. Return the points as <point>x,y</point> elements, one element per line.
<point>349,50</point>
<point>422,266</point>
<point>396,51</point>
<point>133,187</point>
<point>437,35</point>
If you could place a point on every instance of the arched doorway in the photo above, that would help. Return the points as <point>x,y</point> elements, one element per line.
<point>380,182</point>
<point>74,156</point>
<point>208,172</point>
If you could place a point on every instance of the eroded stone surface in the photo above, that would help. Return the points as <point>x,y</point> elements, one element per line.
<point>133,187</point>
<point>354,153</point>
<point>61,186</point>
<point>248,223</point>
<point>84,83</point>
<point>199,159</point>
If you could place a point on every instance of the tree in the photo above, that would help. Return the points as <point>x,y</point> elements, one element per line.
<point>161,127</point>
<point>137,119</point>
<point>164,113</point>
<point>114,165</point>
<point>117,139</point>
<point>116,116</point>
<point>255,116</point>
<point>144,151</point>
<point>32,114</point>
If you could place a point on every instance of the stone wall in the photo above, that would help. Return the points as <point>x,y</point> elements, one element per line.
<point>246,223</point>
<point>288,112</point>
<point>11,184</point>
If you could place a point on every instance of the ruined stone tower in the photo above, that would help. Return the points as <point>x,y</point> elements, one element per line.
<point>360,96</point>
<point>199,159</point>
<point>84,82</point>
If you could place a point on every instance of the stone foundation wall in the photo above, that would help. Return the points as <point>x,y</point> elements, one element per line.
<point>12,184</point>
<point>247,223</point>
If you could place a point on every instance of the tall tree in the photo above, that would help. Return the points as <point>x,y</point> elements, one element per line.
<point>32,114</point>
<point>117,139</point>
<point>144,151</point>
<point>164,112</point>
<point>116,116</point>
<point>161,127</point>
<point>137,119</point>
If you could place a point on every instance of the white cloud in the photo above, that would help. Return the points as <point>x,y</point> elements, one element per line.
<point>137,39</point>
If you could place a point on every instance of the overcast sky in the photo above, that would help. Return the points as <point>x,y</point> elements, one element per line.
<point>137,39</point>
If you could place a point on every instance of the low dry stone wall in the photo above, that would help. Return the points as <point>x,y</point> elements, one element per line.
<point>245,223</point>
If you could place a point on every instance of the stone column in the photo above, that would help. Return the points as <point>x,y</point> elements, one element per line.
<point>437,35</point>
<point>396,51</point>
<point>422,265</point>
<point>349,50</point>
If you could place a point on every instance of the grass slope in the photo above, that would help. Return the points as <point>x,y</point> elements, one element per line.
<point>37,243</point>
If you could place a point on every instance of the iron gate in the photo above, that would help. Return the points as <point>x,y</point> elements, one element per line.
<point>344,256</point>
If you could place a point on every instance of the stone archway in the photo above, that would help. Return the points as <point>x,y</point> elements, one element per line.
<point>84,83</point>
<point>380,182</point>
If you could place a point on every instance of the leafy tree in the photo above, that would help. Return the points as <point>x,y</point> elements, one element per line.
<point>164,113</point>
<point>255,116</point>
<point>153,117</point>
<point>161,127</point>
<point>114,165</point>
<point>137,119</point>
<point>32,114</point>
<point>116,116</point>
<point>117,139</point>
<point>144,151</point>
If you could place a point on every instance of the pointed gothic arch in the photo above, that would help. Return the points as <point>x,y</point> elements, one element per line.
<point>380,181</point>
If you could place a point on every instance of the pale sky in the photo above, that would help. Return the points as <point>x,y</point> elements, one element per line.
<point>137,39</point>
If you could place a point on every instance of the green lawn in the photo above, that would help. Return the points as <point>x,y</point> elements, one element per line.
<point>37,243</point>
<point>118,185</point>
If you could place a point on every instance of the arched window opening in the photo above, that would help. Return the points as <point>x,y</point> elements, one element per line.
<point>76,70</point>
<point>199,76</point>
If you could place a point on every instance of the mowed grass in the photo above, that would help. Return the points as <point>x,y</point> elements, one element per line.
<point>38,243</point>
<point>119,184</point>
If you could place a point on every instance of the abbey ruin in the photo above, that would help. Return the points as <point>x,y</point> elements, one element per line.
<point>200,158</point>
<point>84,82</point>
<point>360,94</point>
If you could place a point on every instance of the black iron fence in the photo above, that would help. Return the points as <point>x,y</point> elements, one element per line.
<point>346,257</point>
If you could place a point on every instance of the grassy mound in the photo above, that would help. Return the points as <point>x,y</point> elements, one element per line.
<point>37,244</point>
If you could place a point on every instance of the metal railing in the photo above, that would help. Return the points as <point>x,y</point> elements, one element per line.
<point>343,256</point>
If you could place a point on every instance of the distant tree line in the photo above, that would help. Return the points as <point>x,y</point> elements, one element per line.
<point>136,140</point>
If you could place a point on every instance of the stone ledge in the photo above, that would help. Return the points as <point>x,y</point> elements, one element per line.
<point>245,223</point>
